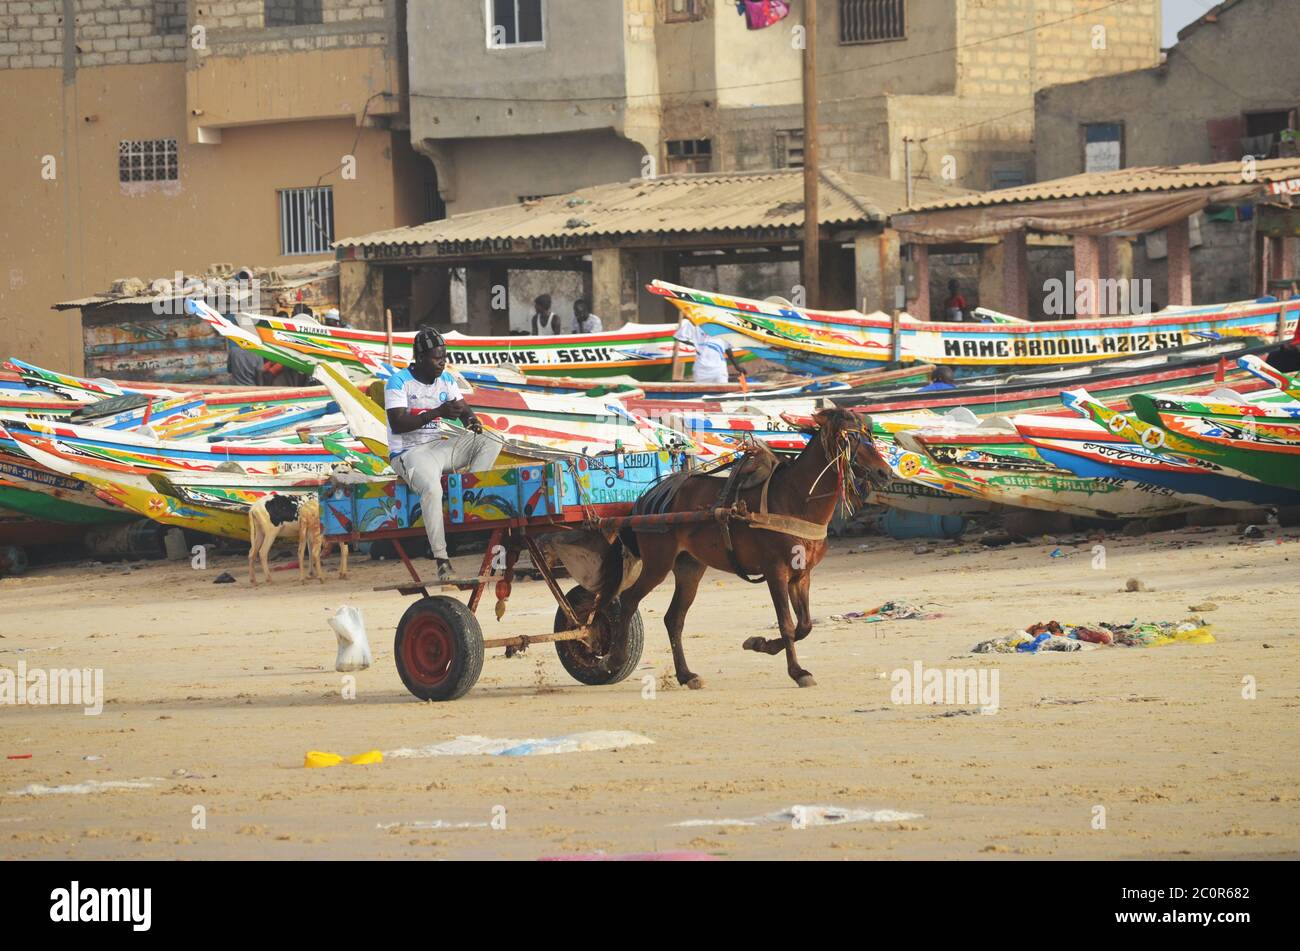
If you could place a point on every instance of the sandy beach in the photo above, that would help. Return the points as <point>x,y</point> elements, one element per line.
<point>215,693</point>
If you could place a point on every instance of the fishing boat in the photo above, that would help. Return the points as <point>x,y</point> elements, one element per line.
<point>641,351</point>
<point>993,463</point>
<point>529,422</point>
<point>832,341</point>
<point>1195,365</point>
<point>1093,451</point>
<point>1274,465</point>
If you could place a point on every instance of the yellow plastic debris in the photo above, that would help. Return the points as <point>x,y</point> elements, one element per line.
<point>366,759</point>
<point>319,760</point>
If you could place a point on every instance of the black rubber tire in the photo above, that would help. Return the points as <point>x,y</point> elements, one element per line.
<point>438,649</point>
<point>581,662</point>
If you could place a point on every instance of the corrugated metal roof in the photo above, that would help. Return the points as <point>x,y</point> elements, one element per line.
<point>1126,181</point>
<point>715,201</point>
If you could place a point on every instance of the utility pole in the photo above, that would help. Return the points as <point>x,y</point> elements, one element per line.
<point>811,229</point>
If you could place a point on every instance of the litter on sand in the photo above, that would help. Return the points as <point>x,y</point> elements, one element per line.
<point>354,647</point>
<point>318,760</point>
<point>488,746</point>
<point>89,786</point>
<point>1053,636</point>
<point>889,611</point>
<point>424,824</point>
<point>806,816</point>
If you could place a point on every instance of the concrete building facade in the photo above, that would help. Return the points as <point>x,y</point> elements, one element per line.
<point>1229,90</point>
<point>156,135</point>
<point>681,86</point>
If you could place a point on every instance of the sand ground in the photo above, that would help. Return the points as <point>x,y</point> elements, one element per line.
<point>216,692</point>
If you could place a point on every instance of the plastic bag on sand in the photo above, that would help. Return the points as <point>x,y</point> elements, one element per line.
<point>354,649</point>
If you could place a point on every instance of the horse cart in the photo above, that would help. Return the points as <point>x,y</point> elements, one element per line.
<point>549,509</point>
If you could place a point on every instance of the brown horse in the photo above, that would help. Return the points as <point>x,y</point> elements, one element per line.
<point>807,488</point>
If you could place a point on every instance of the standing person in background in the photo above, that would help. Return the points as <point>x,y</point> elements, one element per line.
<point>545,323</point>
<point>331,318</point>
<point>712,354</point>
<point>584,321</point>
<point>955,307</point>
<point>244,366</point>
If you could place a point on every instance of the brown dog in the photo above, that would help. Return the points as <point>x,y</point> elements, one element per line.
<point>289,515</point>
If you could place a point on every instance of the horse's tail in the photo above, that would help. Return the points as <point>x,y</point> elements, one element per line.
<point>622,553</point>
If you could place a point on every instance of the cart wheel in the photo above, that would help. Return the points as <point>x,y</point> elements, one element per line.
<point>607,663</point>
<point>438,649</point>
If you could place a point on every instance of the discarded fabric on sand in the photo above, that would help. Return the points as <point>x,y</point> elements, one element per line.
<point>889,611</point>
<point>1053,636</point>
<point>488,746</point>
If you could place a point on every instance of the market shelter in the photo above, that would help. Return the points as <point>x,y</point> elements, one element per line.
<point>471,271</point>
<point>1101,213</point>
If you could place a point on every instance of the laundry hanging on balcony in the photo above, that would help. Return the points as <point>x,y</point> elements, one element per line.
<point>762,13</point>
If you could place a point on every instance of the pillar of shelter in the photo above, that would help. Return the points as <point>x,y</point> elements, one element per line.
<point>613,287</point>
<point>1178,240</point>
<point>918,285</point>
<point>361,294</point>
<point>1015,275</point>
<point>487,298</point>
<point>875,270</point>
<point>1087,276</point>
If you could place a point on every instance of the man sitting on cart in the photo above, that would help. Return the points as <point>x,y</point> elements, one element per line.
<point>421,447</point>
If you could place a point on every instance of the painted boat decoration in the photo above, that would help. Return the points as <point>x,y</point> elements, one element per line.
<point>1261,465</point>
<point>832,341</point>
<point>1199,365</point>
<point>1028,481</point>
<point>1092,451</point>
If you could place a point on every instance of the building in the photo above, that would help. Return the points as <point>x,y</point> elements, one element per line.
<point>464,272</point>
<point>536,97</point>
<point>160,135</point>
<point>1228,91</point>
<point>1102,215</point>
<point>1229,88</point>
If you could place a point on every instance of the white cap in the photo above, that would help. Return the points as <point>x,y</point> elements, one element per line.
<point>332,314</point>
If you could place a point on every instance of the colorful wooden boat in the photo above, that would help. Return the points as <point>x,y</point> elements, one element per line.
<point>990,466</point>
<point>1269,465</point>
<point>1195,366</point>
<point>827,342</point>
<point>1092,451</point>
<point>641,351</point>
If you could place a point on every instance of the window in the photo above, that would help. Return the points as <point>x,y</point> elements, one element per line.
<point>1007,176</point>
<point>872,21</point>
<point>292,12</point>
<point>516,23</point>
<point>1103,146</point>
<point>306,220</point>
<point>789,148</point>
<point>147,160</point>
<point>1264,130</point>
<point>168,17</point>
<point>683,11</point>
<point>690,155</point>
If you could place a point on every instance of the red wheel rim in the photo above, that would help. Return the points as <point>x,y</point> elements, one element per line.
<point>428,650</point>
